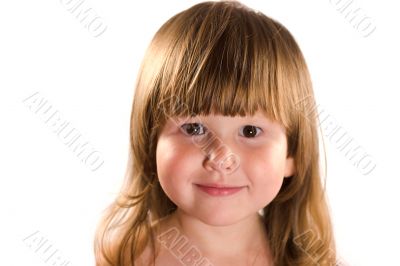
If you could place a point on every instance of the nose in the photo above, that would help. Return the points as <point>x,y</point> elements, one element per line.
<point>221,159</point>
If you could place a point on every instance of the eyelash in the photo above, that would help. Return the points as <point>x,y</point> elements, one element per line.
<point>204,128</point>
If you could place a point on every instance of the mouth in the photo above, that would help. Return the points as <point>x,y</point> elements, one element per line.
<point>219,189</point>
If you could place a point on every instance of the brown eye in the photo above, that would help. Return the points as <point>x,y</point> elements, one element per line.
<point>250,131</point>
<point>192,129</point>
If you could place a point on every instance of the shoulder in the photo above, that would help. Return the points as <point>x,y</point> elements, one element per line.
<point>162,255</point>
<point>145,258</point>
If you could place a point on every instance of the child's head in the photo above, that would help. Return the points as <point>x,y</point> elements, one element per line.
<point>223,65</point>
<point>246,154</point>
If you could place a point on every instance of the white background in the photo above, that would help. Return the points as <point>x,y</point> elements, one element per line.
<point>47,190</point>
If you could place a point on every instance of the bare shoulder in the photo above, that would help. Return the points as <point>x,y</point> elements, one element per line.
<point>144,258</point>
<point>162,255</point>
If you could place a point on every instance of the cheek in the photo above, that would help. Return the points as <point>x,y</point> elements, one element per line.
<point>265,170</point>
<point>174,166</point>
<point>268,187</point>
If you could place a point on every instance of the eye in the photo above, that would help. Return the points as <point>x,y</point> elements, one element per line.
<point>192,129</point>
<point>250,131</point>
<point>196,129</point>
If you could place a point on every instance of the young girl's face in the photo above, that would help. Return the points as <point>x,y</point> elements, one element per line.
<point>188,173</point>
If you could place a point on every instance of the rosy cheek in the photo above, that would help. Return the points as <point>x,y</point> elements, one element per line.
<point>172,159</point>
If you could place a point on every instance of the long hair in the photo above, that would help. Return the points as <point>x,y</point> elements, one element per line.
<point>223,58</point>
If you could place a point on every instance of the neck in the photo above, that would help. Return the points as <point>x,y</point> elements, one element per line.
<point>247,237</point>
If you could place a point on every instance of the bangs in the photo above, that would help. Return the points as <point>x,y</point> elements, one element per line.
<point>222,59</point>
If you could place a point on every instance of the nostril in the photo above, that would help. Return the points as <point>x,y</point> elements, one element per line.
<point>211,164</point>
<point>225,164</point>
<point>230,163</point>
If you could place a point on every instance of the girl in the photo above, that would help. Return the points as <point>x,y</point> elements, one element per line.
<point>224,166</point>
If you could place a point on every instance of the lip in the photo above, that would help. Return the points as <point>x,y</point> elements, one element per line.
<point>219,189</point>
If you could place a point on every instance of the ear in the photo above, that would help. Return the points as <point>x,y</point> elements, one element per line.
<point>290,168</point>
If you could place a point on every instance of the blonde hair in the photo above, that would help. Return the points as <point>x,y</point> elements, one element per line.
<point>224,58</point>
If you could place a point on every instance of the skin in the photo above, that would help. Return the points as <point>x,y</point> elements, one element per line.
<point>227,230</point>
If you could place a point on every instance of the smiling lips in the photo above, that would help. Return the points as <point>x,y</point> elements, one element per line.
<point>218,190</point>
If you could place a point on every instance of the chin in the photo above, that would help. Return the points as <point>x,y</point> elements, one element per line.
<point>220,219</point>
